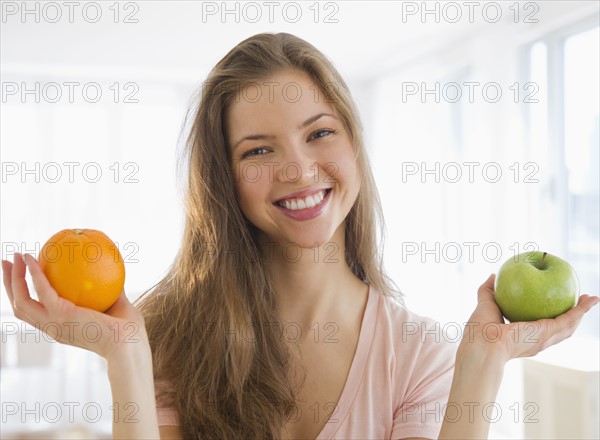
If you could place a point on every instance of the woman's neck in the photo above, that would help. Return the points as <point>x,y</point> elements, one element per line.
<point>313,285</point>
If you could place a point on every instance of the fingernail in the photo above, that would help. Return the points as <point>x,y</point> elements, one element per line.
<point>24,259</point>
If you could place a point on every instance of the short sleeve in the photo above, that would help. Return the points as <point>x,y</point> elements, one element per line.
<point>166,413</point>
<point>422,411</point>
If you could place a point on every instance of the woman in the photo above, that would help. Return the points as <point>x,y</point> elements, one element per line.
<point>276,319</point>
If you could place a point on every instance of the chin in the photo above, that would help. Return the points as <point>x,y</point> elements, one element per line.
<point>311,243</point>
<point>308,241</point>
<point>305,239</point>
<point>328,236</point>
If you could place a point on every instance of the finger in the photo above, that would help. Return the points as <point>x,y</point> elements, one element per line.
<point>584,304</point>
<point>7,268</point>
<point>6,271</point>
<point>24,307</point>
<point>122,299</point>
<point>46,293</point>
<point>486,290</point>
<point>587,302</point>
<point>120,305</point>
<point>568,322</point>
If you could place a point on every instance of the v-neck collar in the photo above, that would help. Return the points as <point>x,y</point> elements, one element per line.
<point>359,362</point>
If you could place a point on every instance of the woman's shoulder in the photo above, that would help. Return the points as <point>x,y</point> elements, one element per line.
<point>394,310</point>
<point>411,364</point>
<point>407,331</point>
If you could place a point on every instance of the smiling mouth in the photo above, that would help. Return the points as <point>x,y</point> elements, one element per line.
<point>300,203</point>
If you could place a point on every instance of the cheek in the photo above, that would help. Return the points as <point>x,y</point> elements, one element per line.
<point>343,168</point>
<point>252,189</point>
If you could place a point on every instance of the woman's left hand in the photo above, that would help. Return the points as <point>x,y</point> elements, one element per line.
<point>486,329</point>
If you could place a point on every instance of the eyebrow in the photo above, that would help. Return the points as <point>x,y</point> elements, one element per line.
<point>256,137</point>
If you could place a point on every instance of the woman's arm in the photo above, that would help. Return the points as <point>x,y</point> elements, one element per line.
<point>127,353</point>
<point>132,386</point>
<point>477,378</point>
<point>487,344</point>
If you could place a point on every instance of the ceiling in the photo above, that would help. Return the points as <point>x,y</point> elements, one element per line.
<point>180,39</point>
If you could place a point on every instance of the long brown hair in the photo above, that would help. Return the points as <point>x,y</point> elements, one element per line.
<point>209,320</point>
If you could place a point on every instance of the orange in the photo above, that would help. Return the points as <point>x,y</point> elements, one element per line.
<point>85,267</point>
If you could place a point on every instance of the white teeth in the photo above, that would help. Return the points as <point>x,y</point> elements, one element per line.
<point>306,202</point>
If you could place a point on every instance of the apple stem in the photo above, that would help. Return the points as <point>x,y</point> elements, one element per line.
<point>540,264</point>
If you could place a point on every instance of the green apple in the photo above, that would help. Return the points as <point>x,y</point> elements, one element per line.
<point>535,285</point>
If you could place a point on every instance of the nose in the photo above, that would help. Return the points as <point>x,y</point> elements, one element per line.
<point>297,166</point>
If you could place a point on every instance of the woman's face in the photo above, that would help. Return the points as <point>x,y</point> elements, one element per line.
<point>296,172</point>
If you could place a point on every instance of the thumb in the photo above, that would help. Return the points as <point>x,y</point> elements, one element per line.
<point>486,290</point>
<point>120,304</point>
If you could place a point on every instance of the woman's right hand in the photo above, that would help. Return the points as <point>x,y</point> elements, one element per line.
<point>106,334</point>
<point>118,335</point>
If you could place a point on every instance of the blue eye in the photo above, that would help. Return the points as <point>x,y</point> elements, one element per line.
<point>321,133</point>
<point>253,152</point>
<point>327,132</point>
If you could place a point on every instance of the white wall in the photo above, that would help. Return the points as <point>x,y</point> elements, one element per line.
<point>380,52</point>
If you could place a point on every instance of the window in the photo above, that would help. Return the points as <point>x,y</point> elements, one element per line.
<point>581,146</point>
<point>563,139</point>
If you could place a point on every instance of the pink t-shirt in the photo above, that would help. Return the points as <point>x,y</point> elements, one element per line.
<point>399,380</point>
